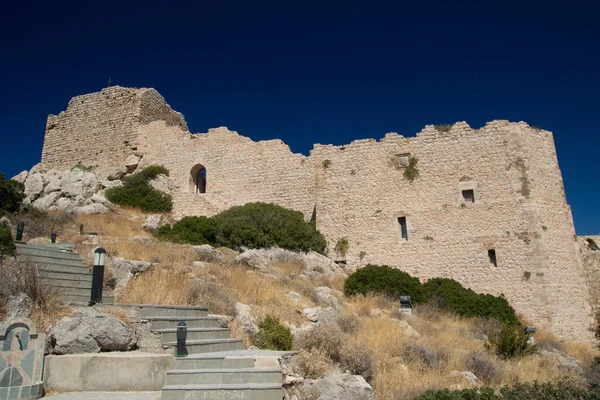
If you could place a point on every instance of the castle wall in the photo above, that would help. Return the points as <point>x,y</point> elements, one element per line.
<point>519,211</point>
<point>238,170</point>
<point>359,191</point>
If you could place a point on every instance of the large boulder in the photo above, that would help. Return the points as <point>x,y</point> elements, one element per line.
<point>316,264</point>
<point>76,182</point>
<point>152,222</point>
<point>90,331</point>
<point>21,176</point>
<point>162,183</point>
<point>44,203</point>
<point>320,315</point>
<point>18,306</point>
<point>339,387</point>
<point>132,162</point>
<point>207,253</point>
<point>94,208</point>
<point>243,316</point>
<point>124,270</point>
<point>253,259</point>
<point>329,297</point>
<point>34,185</point>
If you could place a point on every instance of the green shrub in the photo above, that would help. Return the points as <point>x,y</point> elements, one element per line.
<point>261,225</point>
<point>11,195</point>
<point>342,246</point>
<point>412,172</point>
<point>446,294</point>
<point>137,192</point>
<point>7,245</point>
<point>452,296</point>
<point>560,390</point>
<point>511,342</point>
<point>382,279</point>
<point>193,230</point>
<point>272,335</point>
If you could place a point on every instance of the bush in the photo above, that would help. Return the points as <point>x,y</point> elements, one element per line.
<point>137,192</point>
<point>511,342</point>
<point>452,296</point>
<point>254,225</point>
<point>272,335</point>
<point>483,367</point>
<point>11,195</point>
<point>560,390</point>
<point>443,293</point>
<point>424,358</point>
<point>357,359</point>
<point>384,280</point>
<point>193,230</point>
<point>261,225</point>
<point>7,245</point>
<point>313,364</point>
<point>348,323</point>
<point>327,338</point>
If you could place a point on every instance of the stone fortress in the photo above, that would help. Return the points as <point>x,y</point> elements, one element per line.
<point>488,206</point>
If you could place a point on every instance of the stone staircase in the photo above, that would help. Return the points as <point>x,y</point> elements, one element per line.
<point>60,267</point>
<point>217,367</point>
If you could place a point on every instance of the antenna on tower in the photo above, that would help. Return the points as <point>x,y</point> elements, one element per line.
<point>109,83</point>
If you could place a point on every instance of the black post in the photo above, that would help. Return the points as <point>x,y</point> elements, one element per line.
<point>81,229</point>
<point>97,282</point>
<point>20,228</point>
<point>181,338</point>
<point>53,237</point>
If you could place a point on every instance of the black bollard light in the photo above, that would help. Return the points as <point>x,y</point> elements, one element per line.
<point>529,331</point>
<point>405,305</point>
<point>181,338</point>
<point>53,237</point>
<point>81,229</point>
<point>20,228</point>
<point>98,275</point>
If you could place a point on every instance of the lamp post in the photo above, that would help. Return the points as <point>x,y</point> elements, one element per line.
<point>405,305</point>
<point>53,237</point>
<point>98,275</point>
<point>181,338</point>
<point>529,331</point>
<point>20,228</point>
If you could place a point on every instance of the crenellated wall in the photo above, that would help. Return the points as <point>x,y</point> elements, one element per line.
<point>359,191</point>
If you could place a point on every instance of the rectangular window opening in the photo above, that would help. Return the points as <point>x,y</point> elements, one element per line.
<point>468,196</point>
<point>492,256</point>
<point>403,228</point>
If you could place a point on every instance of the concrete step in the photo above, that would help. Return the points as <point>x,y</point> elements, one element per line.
<point>82,299</point>
<point>150,310</point>
<point>223,375</point>
<point>210,361</point>
<point>51,254</point>
<point>48,274</point>
<point>248,391</point>
<point>191,322</point>
<point>207,346</point>
<point>67,283</point>
<point>54,264</point>
<point>170,335</point>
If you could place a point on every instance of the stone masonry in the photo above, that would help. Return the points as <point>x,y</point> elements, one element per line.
<point>487,209</point>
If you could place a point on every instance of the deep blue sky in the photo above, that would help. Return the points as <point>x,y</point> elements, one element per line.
<point>316,71</point>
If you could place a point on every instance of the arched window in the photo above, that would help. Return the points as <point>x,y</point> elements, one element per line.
<point>198,179</point>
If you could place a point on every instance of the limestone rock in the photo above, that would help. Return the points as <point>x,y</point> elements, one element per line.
<point>98,198</point>
<point>53,185</point>
<point>132,162</point>
<point>408,330</point>
<point>327,297</point>
<point>466,375</point>
<point>223,319</point>
<point>561,359</point>
<point>294,296</point>
<point>44,203</point>
<point>340,387</point>
<point>253,259</point>
<point>318,264</point>
<point>321,315</point>
<point>21,176</point>
<point>34,185</point>
<point>90,331</point>
<point>77,183</point>
<point>146,241</point>
<point>111,184</point>
<point>6,221</point>
<point>207,253</point>
<point>243,316</point>
<point>162,183</point>
<point>95,208</point>
<point>152,222</point>
<point>18,306</point>
<point>124,270</point>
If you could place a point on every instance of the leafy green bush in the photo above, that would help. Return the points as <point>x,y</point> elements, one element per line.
<point>452,296</point>
<point>253,225</point>
<point>560,390</point>
<point>11,195</point>
<point>446,294</point>
<point>511,342</point>
<point>137,192</point>
<point>7,245</point>
<point>261,225</point>
<point>342,246</point>
<point>272,335</point>
<point>193,230</point>
<point>383,279</point>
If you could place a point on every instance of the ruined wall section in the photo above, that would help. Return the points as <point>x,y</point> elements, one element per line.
<point>589,249</point>
<point>101,128</point>
<point>361,193</point>
<point>239,170</point>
